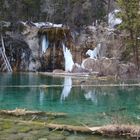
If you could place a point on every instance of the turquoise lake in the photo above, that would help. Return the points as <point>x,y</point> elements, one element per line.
<point>92,106</point>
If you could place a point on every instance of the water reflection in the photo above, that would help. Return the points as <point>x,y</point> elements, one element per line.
<point>67,88</point>
<point>41,96</point>
<point>94,105</point>
<point>91,95</point>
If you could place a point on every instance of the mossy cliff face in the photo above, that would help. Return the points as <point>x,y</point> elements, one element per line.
<point>53,58</point>
<point>23,43</point>
<point>24,46</point>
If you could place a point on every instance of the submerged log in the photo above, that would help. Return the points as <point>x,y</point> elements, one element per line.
<point>132,131</point>
<point>24,112</point>
<point>108,130</point>
<point>72,128</point>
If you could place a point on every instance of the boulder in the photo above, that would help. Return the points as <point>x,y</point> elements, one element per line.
<point>110,67</point>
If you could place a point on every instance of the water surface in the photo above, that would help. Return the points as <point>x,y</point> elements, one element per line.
<point>85,105</point>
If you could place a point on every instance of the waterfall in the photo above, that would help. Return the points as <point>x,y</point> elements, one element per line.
<point>45,44</point>
<point>113,20</point>
<point>67,88</point>
<point>94,54</point>
<point>68,59</point>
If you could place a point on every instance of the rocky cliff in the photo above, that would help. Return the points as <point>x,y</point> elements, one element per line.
<point>26,52</point>
<point>84,30</point>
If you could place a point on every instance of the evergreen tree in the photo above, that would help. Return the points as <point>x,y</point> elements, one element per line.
<point>130,15</point>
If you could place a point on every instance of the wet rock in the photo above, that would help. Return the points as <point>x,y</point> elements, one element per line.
<point>127,70</point>
<point>109,67</point>
<point>66,133</point>
<point>31,38</point>
<point>42,133</point>
<point>78,69</point>
<point>12,130</point>
<point>56,137</point>
<point>29,138</point>
<point>75,138</point>
<point>34,65</point>
<point>58,71</point>
<point>7,125</point>
<point>24,129</point>
<point>23,136</point>
<point>42,139</point>
<point>18,53</point>
<point>14,137</point>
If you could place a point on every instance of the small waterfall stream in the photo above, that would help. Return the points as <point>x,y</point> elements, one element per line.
<point>45,44</point>
<point>94,54</point>
<point>68,59</point>
<point>112,18</point>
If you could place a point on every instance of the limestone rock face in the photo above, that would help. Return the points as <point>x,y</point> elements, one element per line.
<point>30,34</point>
<point>24,49</point>
<point>106,66</point>
<point>78,69</point>
<point>25,45</point>
<point>18,53</point>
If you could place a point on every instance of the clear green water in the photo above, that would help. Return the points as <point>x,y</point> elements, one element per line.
<point>84,105</point>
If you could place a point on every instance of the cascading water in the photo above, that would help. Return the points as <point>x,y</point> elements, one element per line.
<point>45,44</point>
<point>113,20</point>
<point>94,54</point>
<point>68,59</point>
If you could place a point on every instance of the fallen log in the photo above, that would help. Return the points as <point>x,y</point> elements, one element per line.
<point>108,130</point>
<point>81,129</point>
<point>120,130</point>
<point>132,131</point>
<point>24,112</point>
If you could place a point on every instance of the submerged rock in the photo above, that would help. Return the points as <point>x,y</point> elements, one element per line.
<point>56,137</point>
<point>42,139</point>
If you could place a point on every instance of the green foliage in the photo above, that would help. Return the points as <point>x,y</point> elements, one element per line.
<point>130,15</point>
<point>100,10</point>
<point>29,2</point>
<point>71,12</point>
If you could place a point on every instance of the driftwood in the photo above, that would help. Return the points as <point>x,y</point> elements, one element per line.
<point>108,130</point>
<point>24,112</point>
